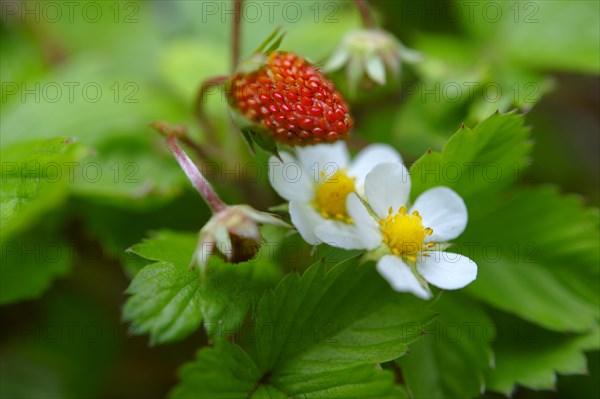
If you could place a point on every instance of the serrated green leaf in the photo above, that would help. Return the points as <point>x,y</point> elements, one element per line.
<point>169,300</point>
<point>226,371</point>
<point>541,260</point>
<point>167,246</point>
<point>321,335</point>
<point>35,177</point>
<point>451,359</point>
<point>331,311</point>
<point>482,160</point>
<point>339,319</point>
<point>532,357</point>
<point>521,230</point>
<point>453,90</point>
<point>165,302</point>
<point>230,291</point>
<point>165,299</point>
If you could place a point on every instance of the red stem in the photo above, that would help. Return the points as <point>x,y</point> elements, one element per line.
<point>205,123</point>
<point>365,13</point>
<point>197,179</point>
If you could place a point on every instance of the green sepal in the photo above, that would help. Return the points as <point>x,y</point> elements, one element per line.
<point>254,134</point>
<point>263,141</point>
<point>274,39</point>
<point>251,64</point>
<point>246,134</point>
<point>275,45</point>
<point>280,208</point>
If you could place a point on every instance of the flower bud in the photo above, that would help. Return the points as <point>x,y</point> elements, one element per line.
<point>370,52</point>
<point>233,234</point>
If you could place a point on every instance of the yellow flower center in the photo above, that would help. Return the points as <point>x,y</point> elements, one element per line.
<point>404,233</point>
<point>331,196</point>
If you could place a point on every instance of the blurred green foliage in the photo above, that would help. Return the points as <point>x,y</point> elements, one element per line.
<point>71,208</point>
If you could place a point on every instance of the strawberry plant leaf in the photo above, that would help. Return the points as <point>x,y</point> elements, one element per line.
<point>169,300</point>
<point>164,303</point>
<point>130,170</point>
<point>226,371</point>
<point>321,326</point>
<point>520,261</point>
<point>316,336</point>
<point>35,177</point>
<point>331,319</point>
<point>478,161</point>
<point>530,268</point>
<point>532,357</point>
<point>451,359</point>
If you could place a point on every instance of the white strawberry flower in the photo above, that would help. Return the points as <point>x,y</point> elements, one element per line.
<point>319,179</point>
<point>408,242</point>
<point>370,53</point>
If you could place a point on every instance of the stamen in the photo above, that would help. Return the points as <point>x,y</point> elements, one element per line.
<point>330,198</point>
<point>429,231</point>
<point>404,233</point>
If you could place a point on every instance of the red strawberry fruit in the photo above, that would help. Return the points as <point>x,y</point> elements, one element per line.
<point>290,101</point>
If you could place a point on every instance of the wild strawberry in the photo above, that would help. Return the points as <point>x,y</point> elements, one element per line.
<point>290,100</point>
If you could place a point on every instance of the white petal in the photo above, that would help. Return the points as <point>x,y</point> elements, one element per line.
<point>367,159</point>
<point>223,241</point>
<point>289,179</point>
<point>387,185</point>
<point>444,211</point>
<point>265,218</point>
<point>446,270</point>
<point>376,69</point>
<point>339,234</point>
<point>366,225</point>
<point>400,277</point>
<point>355,69</point>
<point>337,60</point>
<point>323,160</point>
<point>306,220</point>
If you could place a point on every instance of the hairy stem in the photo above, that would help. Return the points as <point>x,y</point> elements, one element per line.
<point>173,133</point>
<point>180,132</point>
<point>365,13</point>
<point>197,179</point>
